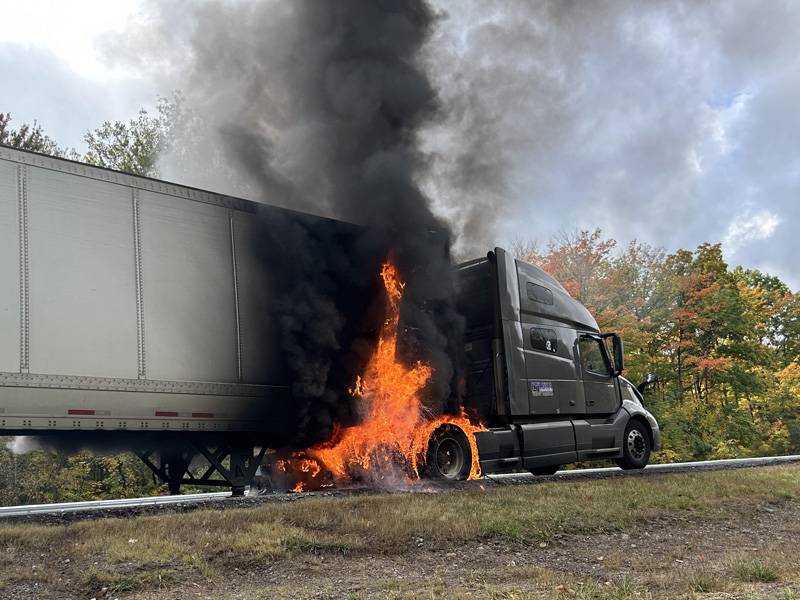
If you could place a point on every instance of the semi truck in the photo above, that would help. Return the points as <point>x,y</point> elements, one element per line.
<point>136,310</point>
<point>543,376</point>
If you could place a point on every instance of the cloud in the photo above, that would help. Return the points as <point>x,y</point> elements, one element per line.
<point>655,121</point>
<point>749,227</point>
<point>67,30</point>
<point>38,85</point>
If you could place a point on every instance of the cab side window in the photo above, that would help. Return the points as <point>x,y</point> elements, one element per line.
<point>592,357</point>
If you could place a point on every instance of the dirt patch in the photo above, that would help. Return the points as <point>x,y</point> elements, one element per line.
<point>668,557</point>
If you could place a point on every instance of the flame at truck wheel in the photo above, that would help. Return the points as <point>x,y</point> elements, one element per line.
<point>396,428</point>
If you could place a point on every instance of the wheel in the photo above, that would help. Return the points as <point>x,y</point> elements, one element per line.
<point>551,470</point>
<point>449,455</point>
<point>635,446</point>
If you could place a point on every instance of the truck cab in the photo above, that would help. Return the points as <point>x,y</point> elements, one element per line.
<point>541,375</point>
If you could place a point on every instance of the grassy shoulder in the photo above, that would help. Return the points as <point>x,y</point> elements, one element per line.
<point>170,550</point>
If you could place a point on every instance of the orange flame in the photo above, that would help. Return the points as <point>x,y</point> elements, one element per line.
<point>395,426</point>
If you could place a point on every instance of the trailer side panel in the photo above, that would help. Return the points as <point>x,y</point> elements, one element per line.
<point>9,269</point>
<point>261,362</point>
<point>189,312</point>
<point>122,302</point>
<point>81,272</point>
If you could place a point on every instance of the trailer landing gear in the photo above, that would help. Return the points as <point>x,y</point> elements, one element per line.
<point>233,466</point>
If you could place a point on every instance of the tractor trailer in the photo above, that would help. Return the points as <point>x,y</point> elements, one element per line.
<point>137,309</point>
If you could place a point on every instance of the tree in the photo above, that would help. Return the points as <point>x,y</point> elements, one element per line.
<point>31,137</point>
<point>134,147</point>
<point>580,261</point>
<point>723,342</point>
<point>41,476</point>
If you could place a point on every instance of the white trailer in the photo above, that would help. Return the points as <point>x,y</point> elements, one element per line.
<point>130,304</point>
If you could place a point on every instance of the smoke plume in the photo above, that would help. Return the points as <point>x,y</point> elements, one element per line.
<point>319,106</point>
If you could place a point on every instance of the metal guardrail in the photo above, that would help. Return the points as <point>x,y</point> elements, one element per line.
<point>67,507</point>
<point>671,467</point>
<point>98,505</point>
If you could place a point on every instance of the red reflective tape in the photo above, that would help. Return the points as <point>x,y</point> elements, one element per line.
<point>80,411</point>
<point>203,415</point>
<point>166,413</point>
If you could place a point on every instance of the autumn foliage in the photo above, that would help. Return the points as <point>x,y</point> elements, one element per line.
<point>724,342</point>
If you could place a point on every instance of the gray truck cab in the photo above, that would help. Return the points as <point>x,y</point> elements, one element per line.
<point>541,374</point>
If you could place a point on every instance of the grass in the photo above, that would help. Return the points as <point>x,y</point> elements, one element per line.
<point>155,551</point>
<point>119,583</point>
<point>546,585</point>
<point>703,582</point>
<point>24,573</point>
<point>388,523</point>
<point>754,571</point>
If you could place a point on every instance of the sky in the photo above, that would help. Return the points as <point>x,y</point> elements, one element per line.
<point>53,69</point>
<point>670,123</point>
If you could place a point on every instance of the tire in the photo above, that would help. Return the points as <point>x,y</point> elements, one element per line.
<point>449,455</point>
<point>551,470</point>
<point>636,446</point>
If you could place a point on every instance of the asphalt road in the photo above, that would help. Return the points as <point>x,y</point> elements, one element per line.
<point>117,506</point>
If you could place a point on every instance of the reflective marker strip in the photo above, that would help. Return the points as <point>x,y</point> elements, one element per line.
<point>159,413</point>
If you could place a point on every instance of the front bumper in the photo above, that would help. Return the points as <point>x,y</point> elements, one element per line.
<point>656,438</point>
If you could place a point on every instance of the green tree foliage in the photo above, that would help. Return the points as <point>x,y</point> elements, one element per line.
<point>724,342</point>
<point>42,477</point>
<point>31,137</point>
<point>134,147</point>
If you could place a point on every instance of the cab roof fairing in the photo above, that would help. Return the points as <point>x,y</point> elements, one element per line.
<point>565,309</point>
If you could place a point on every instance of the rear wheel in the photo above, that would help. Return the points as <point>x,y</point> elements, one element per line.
<point>635,447</point>
<point>449,455</point>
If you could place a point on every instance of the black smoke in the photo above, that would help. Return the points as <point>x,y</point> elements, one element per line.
<point>323,105</point>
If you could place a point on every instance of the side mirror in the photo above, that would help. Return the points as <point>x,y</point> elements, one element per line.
<point>619,353</point>
<point>649,380</point>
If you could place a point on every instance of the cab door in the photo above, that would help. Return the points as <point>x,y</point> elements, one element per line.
<point>599,383</point>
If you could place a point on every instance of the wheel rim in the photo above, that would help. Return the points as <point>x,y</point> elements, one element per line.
<point>449,458</point>
<point>637,445</point>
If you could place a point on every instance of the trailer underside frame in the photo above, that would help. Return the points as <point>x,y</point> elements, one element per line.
<point>173,467</point>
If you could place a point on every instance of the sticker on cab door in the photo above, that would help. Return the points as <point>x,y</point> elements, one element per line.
<point>541,388</point>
